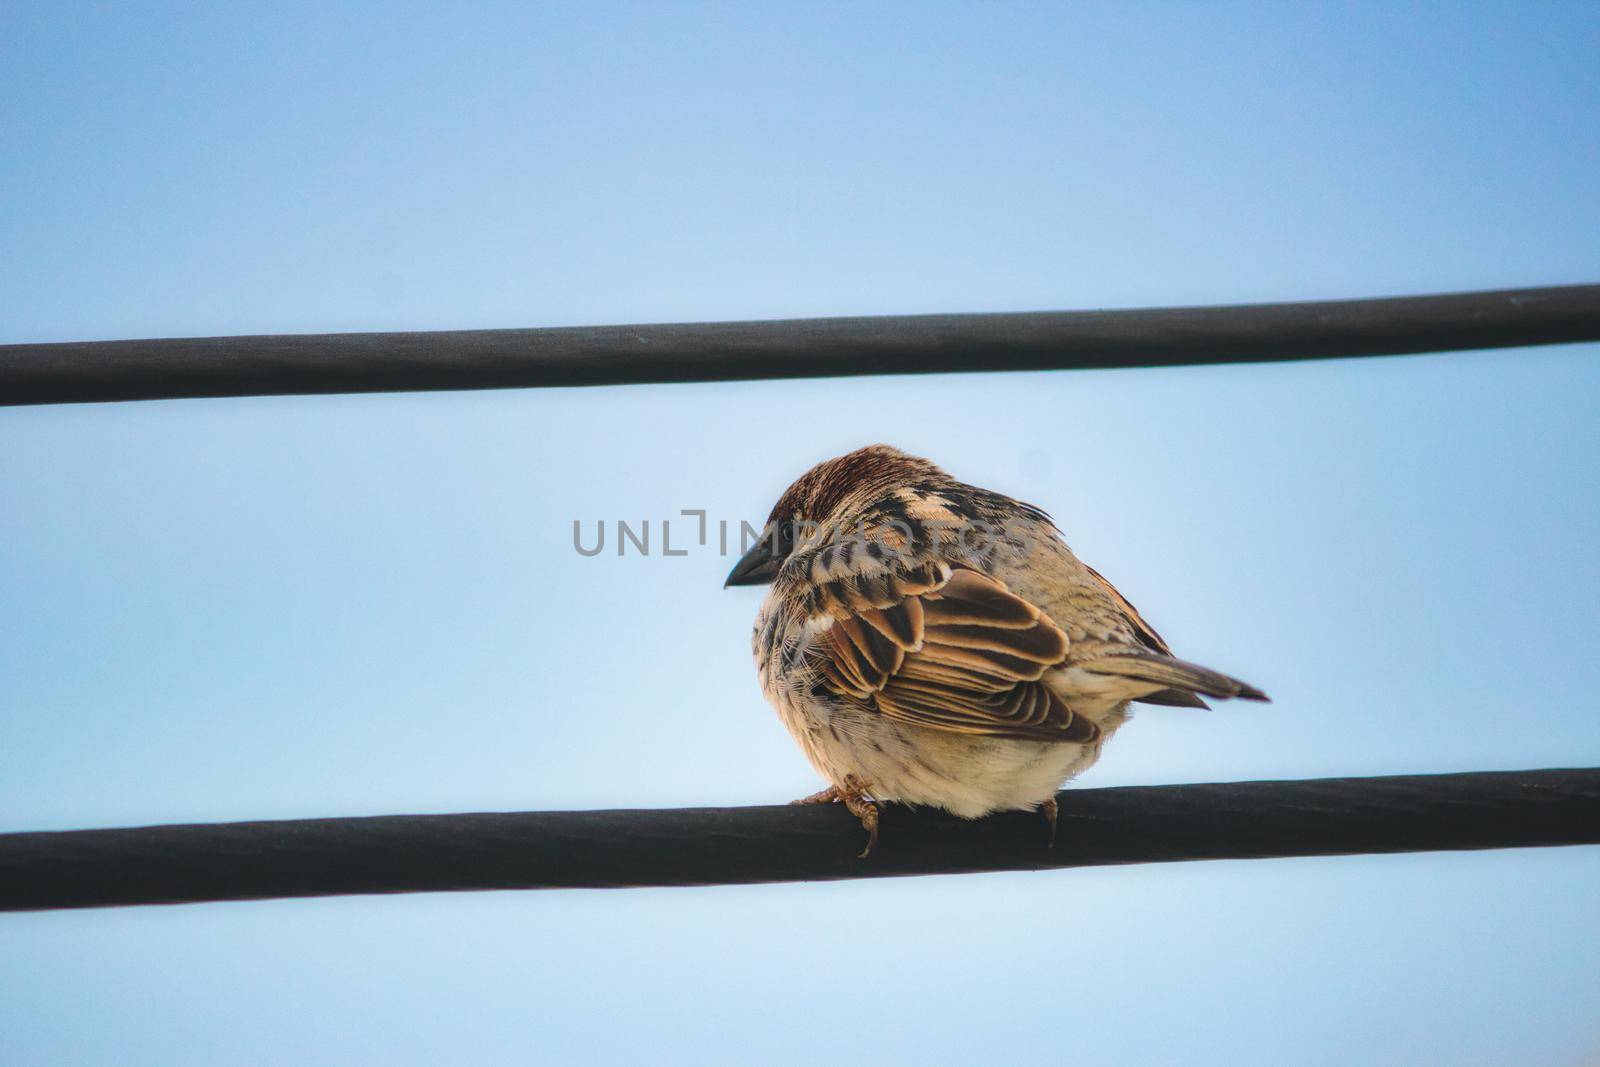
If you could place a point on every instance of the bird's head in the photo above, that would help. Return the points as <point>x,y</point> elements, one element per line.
<point>836,495</point>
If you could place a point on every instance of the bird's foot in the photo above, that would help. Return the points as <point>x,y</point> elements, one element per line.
<point>1050,809</point>
<point>854,795</point>
<point>829,795</point>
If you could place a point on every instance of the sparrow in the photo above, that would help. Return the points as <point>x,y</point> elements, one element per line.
<point>931,643</point>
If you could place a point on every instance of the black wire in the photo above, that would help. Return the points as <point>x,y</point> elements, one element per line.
<point>723,846</point>
<point>801,348</point>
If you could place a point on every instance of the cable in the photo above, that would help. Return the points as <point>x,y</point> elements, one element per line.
<point>800,348</point>
<point>726,846</point>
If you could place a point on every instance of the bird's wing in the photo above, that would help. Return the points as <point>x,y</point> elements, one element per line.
<point>949,649</point>
<point>1173,698</point>
<point>1142,630</point>
<point>1187,679</point>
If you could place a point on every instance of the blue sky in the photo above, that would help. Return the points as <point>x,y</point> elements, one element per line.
<point>284,607</point>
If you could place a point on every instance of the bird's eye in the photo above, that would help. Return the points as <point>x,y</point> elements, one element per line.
<point>786,536</point>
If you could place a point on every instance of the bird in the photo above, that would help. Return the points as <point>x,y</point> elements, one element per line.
<point>934,644</point>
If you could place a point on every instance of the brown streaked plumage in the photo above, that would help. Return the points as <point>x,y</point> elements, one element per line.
<point>930,642</point>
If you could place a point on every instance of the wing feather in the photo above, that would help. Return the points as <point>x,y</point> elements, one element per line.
<point>957,651</point>
<point>1144,631</point>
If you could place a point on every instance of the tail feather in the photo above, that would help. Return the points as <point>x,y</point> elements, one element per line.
<point>1174,674</point>
<point>1174,698</point>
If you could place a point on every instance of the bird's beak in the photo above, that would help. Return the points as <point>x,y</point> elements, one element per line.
<point>757,567</point>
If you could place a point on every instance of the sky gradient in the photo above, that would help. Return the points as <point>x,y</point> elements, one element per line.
<point>317,606</point>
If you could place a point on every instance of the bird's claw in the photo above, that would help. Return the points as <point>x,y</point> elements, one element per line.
<point>1050,809</point>
<point>863,807</point>
<point>829,795</point>
<point>853,795</point>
